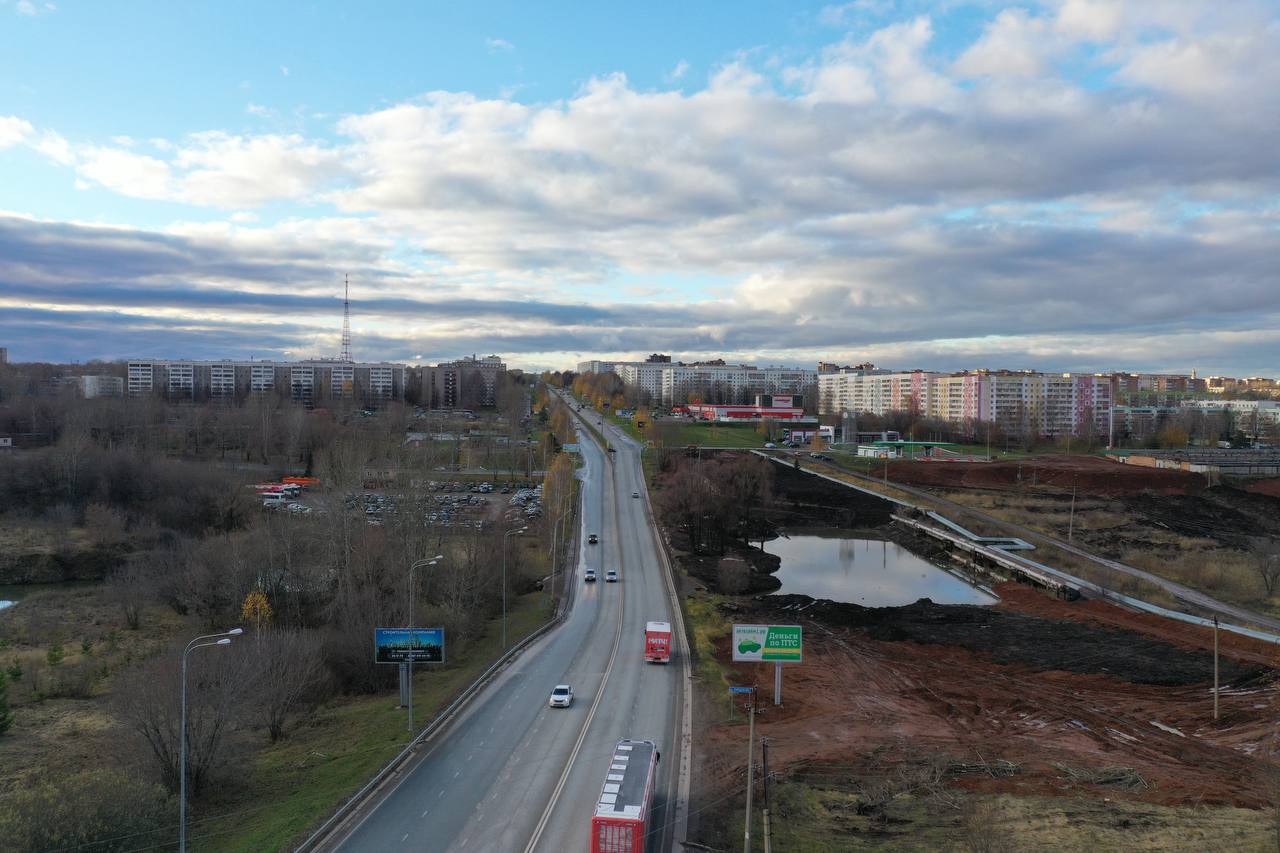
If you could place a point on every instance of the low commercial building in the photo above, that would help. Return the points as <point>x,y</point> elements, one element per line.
<point>777,407</point>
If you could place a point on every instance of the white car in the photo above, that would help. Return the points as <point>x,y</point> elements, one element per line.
<point>635,494</point>
<point>611,576</point>
<point>561,696</point>
<point>590,576</point>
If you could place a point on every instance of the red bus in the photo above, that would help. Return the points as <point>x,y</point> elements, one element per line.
<point>621,819</point>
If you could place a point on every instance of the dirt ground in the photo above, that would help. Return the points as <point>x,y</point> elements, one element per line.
<point>1090,474</point>
<point>1061,690</point>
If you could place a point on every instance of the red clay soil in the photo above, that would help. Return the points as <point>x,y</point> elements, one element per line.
<point>1026,599</point>
<point>1092,475</point>
<point>868,705</point>
<point>1270,486</point>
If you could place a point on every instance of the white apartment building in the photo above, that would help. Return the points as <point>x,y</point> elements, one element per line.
<point>1020,401</point>
<point>100,386</point>
<point>735,381</point>
<point>307,381</point>
<point>647,377</point>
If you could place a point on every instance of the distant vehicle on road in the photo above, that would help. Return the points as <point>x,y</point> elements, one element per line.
<point>611,576</point>
<point>561,696</point>
<point>593,539</point>
<point>770,445</point>
<point>590,576</point>
<point>621,819</point>
<point>635,494</point>
<point>657,642</point>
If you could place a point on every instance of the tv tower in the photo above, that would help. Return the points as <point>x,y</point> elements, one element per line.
<point>346,319</point>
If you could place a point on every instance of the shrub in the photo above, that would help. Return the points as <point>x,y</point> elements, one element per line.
<point>98,810</point>
<point>6,716</point>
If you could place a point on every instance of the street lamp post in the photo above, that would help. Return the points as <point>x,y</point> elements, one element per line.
<point>504,581</point>
<point>223,639</point>
<point>555,531</point>
<point>431,562</point>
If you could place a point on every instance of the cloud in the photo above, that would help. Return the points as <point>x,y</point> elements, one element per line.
<point>284,70</point>
<point>1063,191</point>
<point>14,130</point>
<point>496,44</point>
<point>677,73</point>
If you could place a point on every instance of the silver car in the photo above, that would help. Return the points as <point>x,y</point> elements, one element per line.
<point>561,696</point>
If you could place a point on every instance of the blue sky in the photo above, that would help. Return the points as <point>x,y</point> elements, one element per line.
<point>1065,184</point>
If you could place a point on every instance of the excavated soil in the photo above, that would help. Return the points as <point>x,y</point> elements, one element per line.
<point>1035,681</point>
<point>1089,474</point>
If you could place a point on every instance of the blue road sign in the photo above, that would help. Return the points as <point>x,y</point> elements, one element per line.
<point>741,689</point>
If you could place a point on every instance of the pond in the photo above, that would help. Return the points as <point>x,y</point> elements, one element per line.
<point>870,572</point>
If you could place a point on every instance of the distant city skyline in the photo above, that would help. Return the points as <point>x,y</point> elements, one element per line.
<point>1066,185</point>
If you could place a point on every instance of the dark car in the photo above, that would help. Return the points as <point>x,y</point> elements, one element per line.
<point>593,539</point>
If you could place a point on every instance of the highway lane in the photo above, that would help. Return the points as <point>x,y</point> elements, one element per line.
<point>491,772</point>
<point>641,700</point>
<point>487,781</point>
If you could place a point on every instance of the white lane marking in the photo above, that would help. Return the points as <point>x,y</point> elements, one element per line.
<point>425,812</point>
<point>582,735</point>
<point>406,838</point>
<point>441,794</point>
<point>457,773</point>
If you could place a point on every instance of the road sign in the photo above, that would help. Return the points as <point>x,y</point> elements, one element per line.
<point>395,645</point>
<point>569,448</point>
<point>741,689</point>
<point>757,643</point>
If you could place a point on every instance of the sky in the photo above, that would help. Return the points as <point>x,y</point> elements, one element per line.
<point>1058,185</point>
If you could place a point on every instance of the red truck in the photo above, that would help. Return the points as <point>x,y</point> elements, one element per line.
<point>621,819</point>
<point>657,642</point>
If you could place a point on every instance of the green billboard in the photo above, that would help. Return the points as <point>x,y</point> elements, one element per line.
<point>761,643</point>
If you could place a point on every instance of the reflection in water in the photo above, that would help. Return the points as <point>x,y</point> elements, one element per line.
<point>871,572</point>
<point>5,603</point>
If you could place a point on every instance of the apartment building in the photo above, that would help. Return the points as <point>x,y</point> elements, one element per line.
<point>644,376</point>
<point>464,382</point>
<point>1022,402</point>
<point>733,382</point>
<point>90,387</point>
<point>307,381</point>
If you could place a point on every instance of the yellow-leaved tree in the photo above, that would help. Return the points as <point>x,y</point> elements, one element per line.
<point>256,609</point>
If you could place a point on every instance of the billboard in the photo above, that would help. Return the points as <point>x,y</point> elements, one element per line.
<point>394,645</point>
<point>763,643</point>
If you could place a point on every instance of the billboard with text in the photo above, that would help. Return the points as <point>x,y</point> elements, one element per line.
<point>397,645</point>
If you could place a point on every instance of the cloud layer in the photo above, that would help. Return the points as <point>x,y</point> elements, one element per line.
<point>1083,185</point>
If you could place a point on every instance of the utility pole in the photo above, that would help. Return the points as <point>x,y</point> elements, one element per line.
<point>751,735</point>
<point>1071,525</point>
<point>1215,667</point>
<point>764,770</point>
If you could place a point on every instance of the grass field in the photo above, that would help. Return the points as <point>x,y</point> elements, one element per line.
<point>296,783</point>
<point>702,434</point>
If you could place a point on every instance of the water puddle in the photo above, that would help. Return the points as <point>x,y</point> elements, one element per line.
<point>870,572</point>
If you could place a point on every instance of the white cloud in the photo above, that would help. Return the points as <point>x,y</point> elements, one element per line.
<point>284,70</point>
<point>1014,44</point>
<point>26,7</point>
<point>677,73</point>
<point>14,130</point>
<point>497,44</point>
<point>806,202</point>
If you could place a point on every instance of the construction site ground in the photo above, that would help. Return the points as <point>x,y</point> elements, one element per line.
<point>1033,698</point>
<point>1036,723</point>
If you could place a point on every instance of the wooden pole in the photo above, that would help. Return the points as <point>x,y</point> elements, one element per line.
<point>751,734</point>
<point>764,769</point>
<point>1215,667</point>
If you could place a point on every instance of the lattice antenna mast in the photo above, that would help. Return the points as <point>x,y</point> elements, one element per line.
<point>346,319</point>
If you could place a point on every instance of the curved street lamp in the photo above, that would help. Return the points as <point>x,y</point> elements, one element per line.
<point>223,639</point>
<point>416,564</point>
<point>504,581</point>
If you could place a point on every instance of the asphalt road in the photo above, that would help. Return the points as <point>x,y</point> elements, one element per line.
<point>510,766</point>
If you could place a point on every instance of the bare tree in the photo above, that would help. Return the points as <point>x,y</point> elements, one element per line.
<point>288,673</point>
<point>151,703</point>
<point>1266,561</point>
